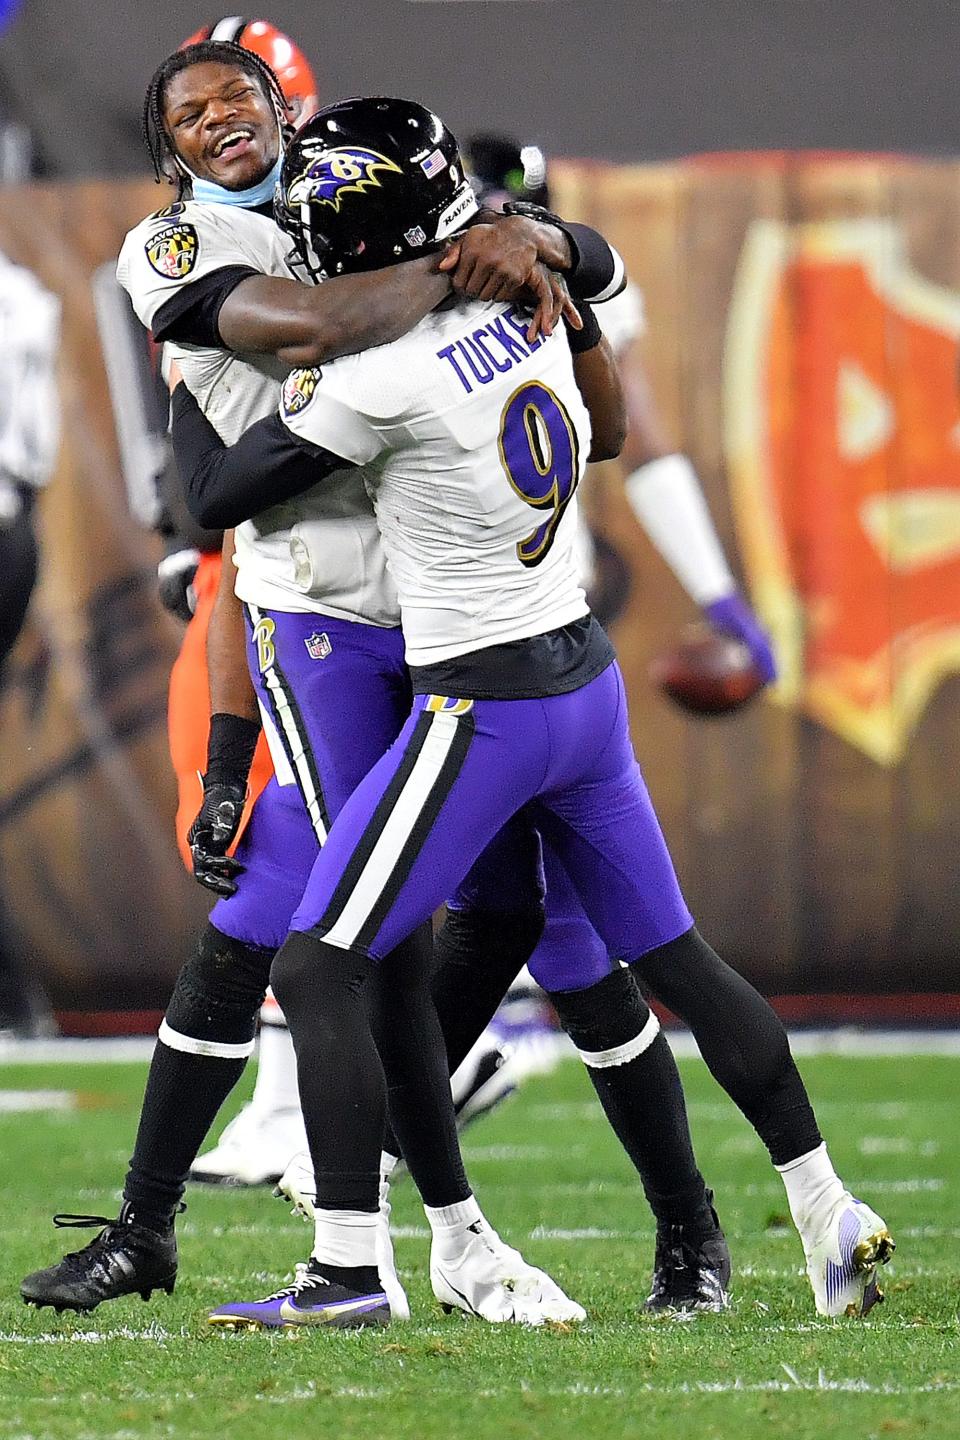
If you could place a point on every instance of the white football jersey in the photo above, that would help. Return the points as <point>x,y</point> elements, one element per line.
<point>622,319</point>
<point>29,394</point>
<point>474,442</point>
<point>321,554</point>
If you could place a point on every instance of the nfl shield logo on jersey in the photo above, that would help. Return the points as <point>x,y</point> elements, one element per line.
<point>318,645</point>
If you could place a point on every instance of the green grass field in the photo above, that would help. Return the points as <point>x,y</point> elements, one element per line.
<point>551,1177</point>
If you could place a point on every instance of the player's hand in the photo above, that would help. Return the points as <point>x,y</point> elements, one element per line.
<point>174,376</point>
<point>213,832</point>
<point>175,577</point>
<point>500,262</point>
<point>732,616</point>
<point>492,262</point>
<point>552,300</point>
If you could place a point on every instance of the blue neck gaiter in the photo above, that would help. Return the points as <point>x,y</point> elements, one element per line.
<point>254,195</point>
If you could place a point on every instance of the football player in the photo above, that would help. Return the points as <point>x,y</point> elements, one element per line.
<point>268,1130</point>
<point>473,441</point>
<point>206,277</point>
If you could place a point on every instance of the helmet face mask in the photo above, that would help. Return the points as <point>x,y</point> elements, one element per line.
<point>369,183</point>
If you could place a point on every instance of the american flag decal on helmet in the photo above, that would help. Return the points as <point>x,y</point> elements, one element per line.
<point>433,164</point>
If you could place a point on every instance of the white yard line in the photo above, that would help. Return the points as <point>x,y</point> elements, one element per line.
<point>20,1102</point>
<point>63,1050</point>
<point>843,1041</point>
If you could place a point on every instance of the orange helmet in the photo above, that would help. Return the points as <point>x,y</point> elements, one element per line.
<point>286,60</point>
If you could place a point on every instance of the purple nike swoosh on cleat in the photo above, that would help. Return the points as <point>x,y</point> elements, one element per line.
<point>330,1310</point>
<point>838,1275</point>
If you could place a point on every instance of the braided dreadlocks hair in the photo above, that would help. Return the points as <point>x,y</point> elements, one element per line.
<point>223,52</point>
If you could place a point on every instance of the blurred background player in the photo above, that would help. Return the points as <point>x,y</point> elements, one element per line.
<point>29,439</point>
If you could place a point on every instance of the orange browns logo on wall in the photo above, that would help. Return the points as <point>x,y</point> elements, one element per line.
<point>173,251</point>
<point>842,439</point>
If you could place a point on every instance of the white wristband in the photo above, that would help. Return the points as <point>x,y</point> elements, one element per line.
<point>666,498</point>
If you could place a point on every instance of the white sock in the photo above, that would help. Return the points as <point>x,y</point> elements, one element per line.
<point>276,1087</point>
<point>450,1222</point>
<point>346,1237</point>
<point>388,1163</point>
<point>811,1183</point>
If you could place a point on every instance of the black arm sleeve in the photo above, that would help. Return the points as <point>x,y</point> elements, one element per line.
<point>596,267</point>
<point>589,337</point>
<point>192,314</point>
<point>227,484</point>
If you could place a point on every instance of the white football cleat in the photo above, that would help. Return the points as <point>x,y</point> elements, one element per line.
<point>843,1249</point>
<point>481,1081</point>
<point>254,1149</point>
<point>297,1185</point>
<point>482,1275</point>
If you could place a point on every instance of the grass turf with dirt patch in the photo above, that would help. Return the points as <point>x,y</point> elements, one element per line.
<point>553,1180</point>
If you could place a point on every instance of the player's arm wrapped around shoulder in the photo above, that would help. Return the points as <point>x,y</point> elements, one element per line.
<point>227,484</point>
<point>592,269</point>
<point>598,380</point>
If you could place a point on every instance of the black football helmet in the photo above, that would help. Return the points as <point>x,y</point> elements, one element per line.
<point>503,170</point>
<point>368,183</point>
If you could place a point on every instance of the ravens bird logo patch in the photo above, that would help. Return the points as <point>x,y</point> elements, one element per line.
<point>298,390</point>
<point>173,251</point>
<point>332,174</point>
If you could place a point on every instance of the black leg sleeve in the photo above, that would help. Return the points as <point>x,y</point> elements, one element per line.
<point>322,992</point>
<point>632,1069</point>
<point>411,1045</point>
<point>204,1042</point>
<point>741,1039</point>
<point>478,955</point>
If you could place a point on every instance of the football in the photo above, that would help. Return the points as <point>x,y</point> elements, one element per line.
<point>706,673</point>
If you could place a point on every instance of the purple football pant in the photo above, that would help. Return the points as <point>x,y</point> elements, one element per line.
<point>338,693</point>
<point>459,771</point>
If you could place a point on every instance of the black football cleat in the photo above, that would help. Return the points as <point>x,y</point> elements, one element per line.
<point>691,1272</point>
<point>126,1258</point>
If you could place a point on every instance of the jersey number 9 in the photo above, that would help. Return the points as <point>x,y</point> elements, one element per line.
<point>541,456</point>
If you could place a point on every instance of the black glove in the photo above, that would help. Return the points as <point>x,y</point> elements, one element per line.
<point>229,756</point>
<point>175,575</point>
<point>213,832</point>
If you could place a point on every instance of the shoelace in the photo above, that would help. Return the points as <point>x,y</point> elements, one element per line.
<point>109,1223</point>
<point>675,1258</point>
<point>304,1279</point>
<point>83,1222</point>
